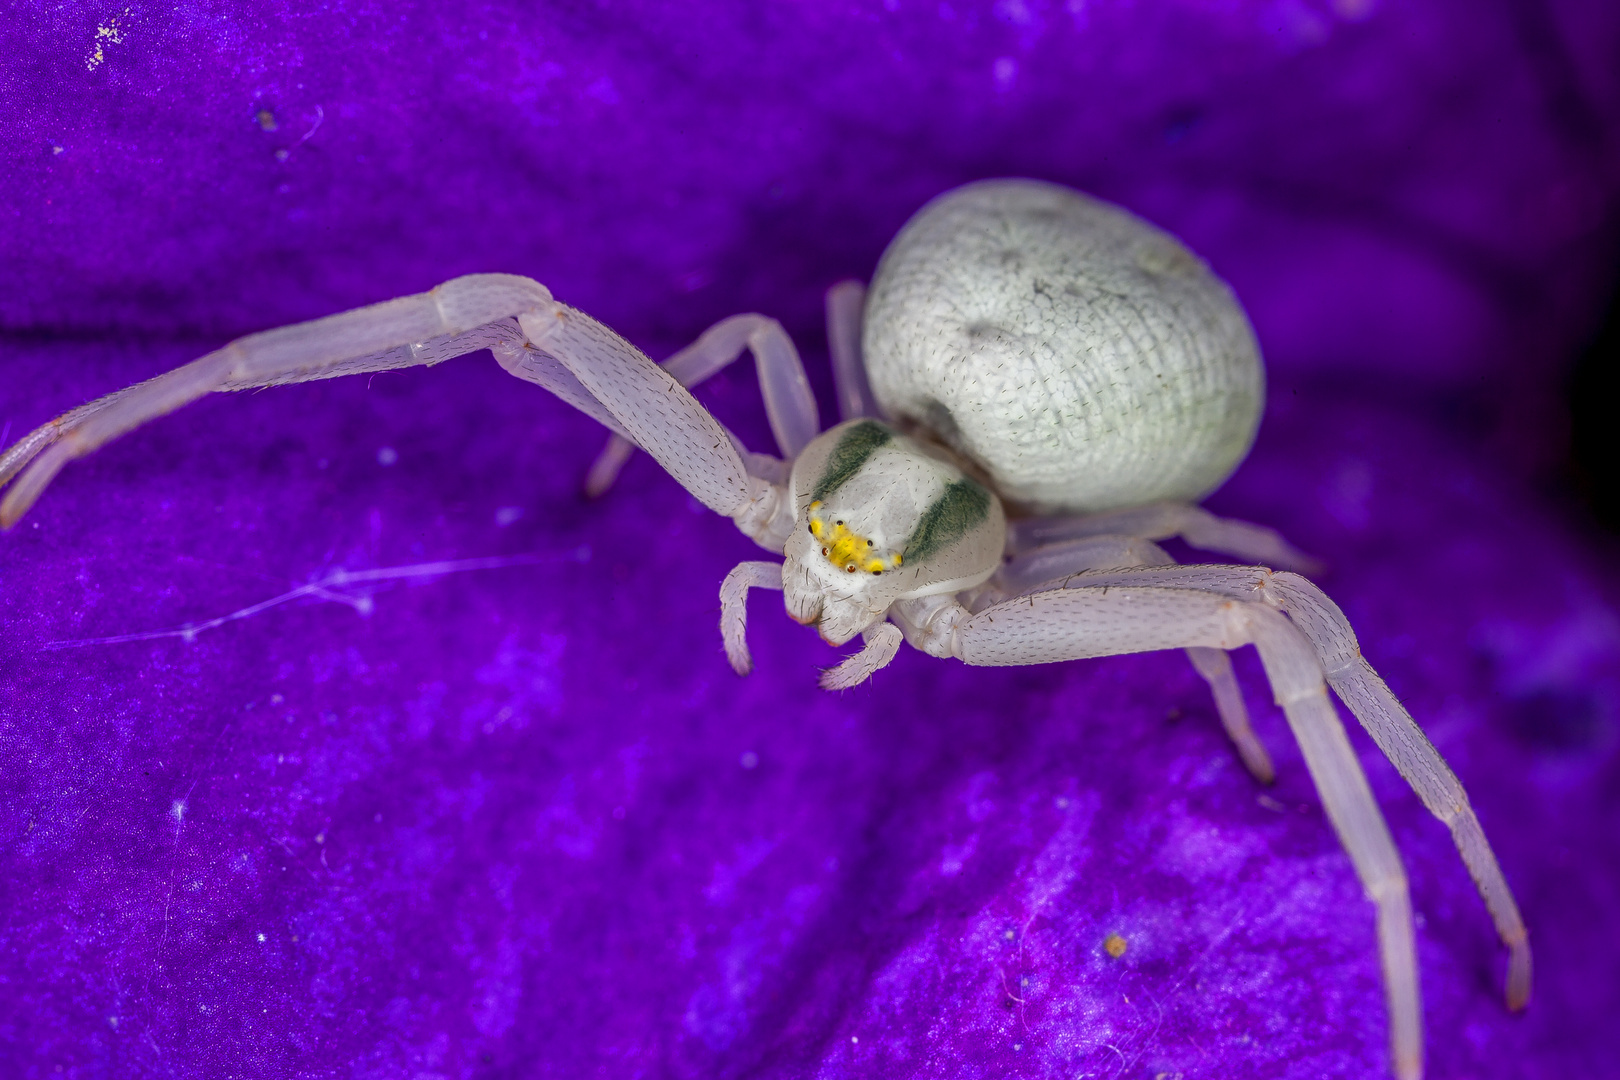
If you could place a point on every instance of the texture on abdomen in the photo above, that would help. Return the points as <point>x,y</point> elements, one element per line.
<point>1083,357</point>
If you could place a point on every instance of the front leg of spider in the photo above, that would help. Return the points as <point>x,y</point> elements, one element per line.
<point>658,414</point>
<point>1378,711</point>
<point>462,315</point>
<point>1053,565</point>
<point>790,406</point>
<point>532,336</point>
<point>1067,624</point>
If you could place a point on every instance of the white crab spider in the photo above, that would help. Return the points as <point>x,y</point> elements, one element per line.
<point>1038,386</point>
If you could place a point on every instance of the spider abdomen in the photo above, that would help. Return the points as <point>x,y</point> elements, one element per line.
<point>1082,357</point>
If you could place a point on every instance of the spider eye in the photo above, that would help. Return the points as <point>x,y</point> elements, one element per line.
<point>824,551</point>
<point>851,569</point>
<point>875,573</point>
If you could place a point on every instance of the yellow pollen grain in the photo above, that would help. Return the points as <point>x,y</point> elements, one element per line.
<point>1114,946</point>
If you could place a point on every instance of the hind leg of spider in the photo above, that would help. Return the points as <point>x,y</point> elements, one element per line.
<point>846,304</point>
<point>1158,521</point>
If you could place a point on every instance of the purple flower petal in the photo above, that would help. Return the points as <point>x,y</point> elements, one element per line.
<point>522,820</point>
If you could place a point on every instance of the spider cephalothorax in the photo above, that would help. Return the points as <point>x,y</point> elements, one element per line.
<point>882,517</point>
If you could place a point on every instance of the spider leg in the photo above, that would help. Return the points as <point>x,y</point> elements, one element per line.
<point>459,316</point>
<point>582,361</point>
<point>1095,620</point>
<point>1157,521</point>
<point>1029,570</point>
<point>734,608</point>
<point>881,642</point>
<point>1383,717</point>
<point>1216,668</point>
<point>1413,756</point>
<point>660,415</point>
<point>1043,566</point>
<point>604,471</point>
<point>789,403</point>
<point>846,304</point>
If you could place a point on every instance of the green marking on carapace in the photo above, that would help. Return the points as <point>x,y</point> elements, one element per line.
<point>963,505</point>
<point>854,447</point>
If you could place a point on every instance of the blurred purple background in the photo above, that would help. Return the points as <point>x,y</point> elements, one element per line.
<point>525,822</point>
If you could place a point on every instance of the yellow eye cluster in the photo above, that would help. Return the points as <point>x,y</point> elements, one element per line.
<point>844,548</point>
